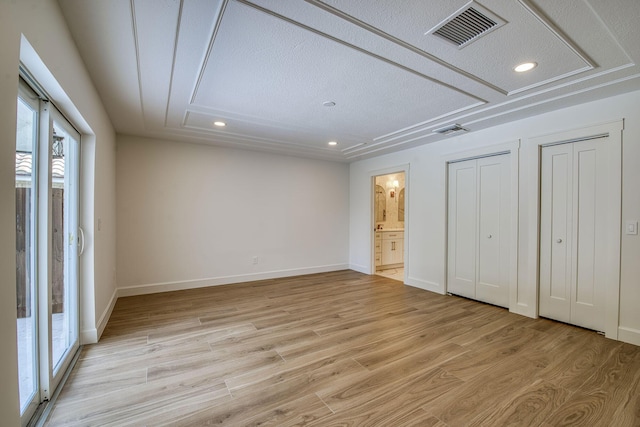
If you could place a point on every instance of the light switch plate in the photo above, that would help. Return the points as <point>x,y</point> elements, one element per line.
<point>631,228</point>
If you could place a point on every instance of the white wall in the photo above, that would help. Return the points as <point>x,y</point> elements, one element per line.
<point>194,215</point>
<point>56,62</point>
<point>9,52</point>
<point>426,200</point>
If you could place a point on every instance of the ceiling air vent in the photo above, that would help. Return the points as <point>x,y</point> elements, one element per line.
<point>448,130</point>
<point>467,25</point>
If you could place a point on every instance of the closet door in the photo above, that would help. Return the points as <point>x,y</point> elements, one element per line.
<point>462,229</point>
<point>590,241</point>
<point>573,233</point>
<point>555,232</point>
<point>478,229</point>
<point>493,230</point>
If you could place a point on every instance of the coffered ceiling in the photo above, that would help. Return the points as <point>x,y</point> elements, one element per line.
<point>267,68</point>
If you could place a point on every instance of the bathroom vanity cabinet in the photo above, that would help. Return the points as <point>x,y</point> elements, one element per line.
<point>389,248</point>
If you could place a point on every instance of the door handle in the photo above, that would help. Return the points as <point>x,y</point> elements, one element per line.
<point>489,236</point>
<point>81,240</point>
<point>559,241</point>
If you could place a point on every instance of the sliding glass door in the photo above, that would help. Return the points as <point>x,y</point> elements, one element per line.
<point>26,289</point>
<point>47,204</point>
<point>64,238</point>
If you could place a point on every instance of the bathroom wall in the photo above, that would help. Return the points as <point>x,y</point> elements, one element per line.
<point>393,205</point>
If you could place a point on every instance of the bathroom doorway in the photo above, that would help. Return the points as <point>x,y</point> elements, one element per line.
<point>389,225</point>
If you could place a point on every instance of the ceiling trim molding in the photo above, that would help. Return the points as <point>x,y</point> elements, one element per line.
<point>234,116</point>
<point>242,136</point>
<point>560,35</point>
<point>555,98</point>
<point>134,29</point>
<point>229,115</point>
<point>266,147</point>
<point>205,61</point>
<point>379,139</point>
<point>377,148</point>
<point>538,14</point>
<point>370,28</point>
<point>359,49</point>
<point>353,148</point>
<point>368,150</point>
<point>551,80</point>
<point>606,27</point>
<point>252,141</point>
<point>555,88</point>
<point>173,63</point>
<point>422,126</point>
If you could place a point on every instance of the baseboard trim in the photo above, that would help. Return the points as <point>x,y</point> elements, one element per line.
<point>629,335</point>
<point>364,269</point>
<point>153,288</point>
<point>104,319</point>
<point>91,336</point>
<point>425,285</point>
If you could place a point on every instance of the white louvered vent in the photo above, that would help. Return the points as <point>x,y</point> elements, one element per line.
<point>448,130</point>
<point>467,25</point>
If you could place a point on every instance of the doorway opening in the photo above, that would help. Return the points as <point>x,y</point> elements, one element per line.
<point>389,224</point>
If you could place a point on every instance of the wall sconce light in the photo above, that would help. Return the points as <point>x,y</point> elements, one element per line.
<point>393,188</point>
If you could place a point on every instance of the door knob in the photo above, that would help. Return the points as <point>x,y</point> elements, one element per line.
<point>489,236</point>
<point>559,241</point>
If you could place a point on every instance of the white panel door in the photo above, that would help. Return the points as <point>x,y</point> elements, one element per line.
<point>590,224</point>
<point>555,232</point>
<point>478,229</point>
<point>493,212</point>
<point>573,233</point>
<point>462,229</point>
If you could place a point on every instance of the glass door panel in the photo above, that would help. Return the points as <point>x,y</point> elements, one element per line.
<point>26,308</point>
<point>47,211</point>
<point>64,210</point>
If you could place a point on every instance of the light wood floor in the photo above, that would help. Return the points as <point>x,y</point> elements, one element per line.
<point>344,349</point>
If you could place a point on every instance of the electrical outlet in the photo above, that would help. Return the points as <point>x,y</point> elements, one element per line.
<point>255,260</point>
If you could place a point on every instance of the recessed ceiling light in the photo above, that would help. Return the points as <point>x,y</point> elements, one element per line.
<point>220,124</point>
<point>526,66</point>
<point>333,143</point>
<point>329,104</point>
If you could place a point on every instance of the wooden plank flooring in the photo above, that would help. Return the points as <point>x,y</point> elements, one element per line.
<point>343,349</point>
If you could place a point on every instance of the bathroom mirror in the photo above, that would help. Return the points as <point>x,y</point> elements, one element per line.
<point>401,206</point>
<point>381,204</point>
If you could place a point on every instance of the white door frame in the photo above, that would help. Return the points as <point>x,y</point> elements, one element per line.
<point>533,157</point>
<point>512,148</point>
<point>372,215</point>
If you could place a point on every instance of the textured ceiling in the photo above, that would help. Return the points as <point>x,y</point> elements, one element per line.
<point>170,68</point>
